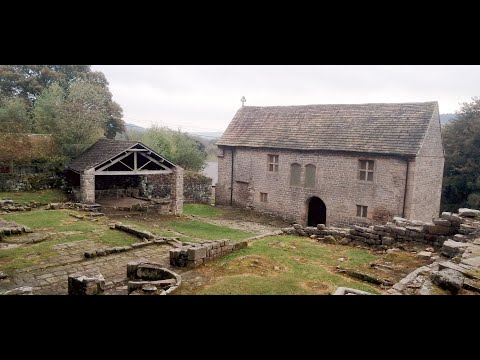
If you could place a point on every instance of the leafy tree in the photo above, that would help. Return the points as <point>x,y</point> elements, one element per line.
<point>48,109</point>
<point>176,146</point>
<point>14,117</point>
<point>461,138</point>
<point>82,118</point>
<point>29,82</point>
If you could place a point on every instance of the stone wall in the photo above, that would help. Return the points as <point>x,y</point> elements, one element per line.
<point>197,188</point>
<point>428,174</point>
<point>193,255</point>
<point>28,182</point>
<point>397,232</point>
<point>336,184</point>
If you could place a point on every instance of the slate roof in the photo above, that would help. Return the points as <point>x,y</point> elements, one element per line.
<point>101,151</point>
<point>372,128</point>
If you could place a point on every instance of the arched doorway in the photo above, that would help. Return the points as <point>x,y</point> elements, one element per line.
<point>317,212</point>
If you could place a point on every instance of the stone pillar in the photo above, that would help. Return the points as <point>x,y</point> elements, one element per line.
<point>177,191</point>
<point>86,284</point>
<point>87,186</point>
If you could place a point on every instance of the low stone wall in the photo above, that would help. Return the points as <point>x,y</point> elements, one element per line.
<point>400,231</point>
<point>19,182</point>
<point>142,234</point>
<point>10,206</point>
<point>8,228</point>
<point>74,206</point>
<point>151,279</point>
<point>118,249</point>
<point>193,255</point>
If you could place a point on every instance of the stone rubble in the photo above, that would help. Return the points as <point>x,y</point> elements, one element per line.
<point>23,290</point>
<point>400,231</point>
<point>74,206</point>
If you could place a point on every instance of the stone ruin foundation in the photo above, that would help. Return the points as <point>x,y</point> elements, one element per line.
<point>193,255</point>
<point>143,278</point>
<point>147,278</point>
<point>457,236</point>
<point>86,284</point>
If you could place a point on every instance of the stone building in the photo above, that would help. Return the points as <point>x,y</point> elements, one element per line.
<point>334,164</point>
<point>113,166</point>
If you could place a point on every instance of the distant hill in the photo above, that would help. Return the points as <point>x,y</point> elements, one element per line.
<point>445,118</point>
<point>133,127</point>
<point>208,135</point>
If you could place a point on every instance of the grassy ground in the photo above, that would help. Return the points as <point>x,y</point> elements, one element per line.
<point>231,213</point>
<point>42,197</point>
<point>281,265</point>
<point>60,223</point>
<point>202,210</point>
<point>186,229</point>
<point>65,229</point>
<point>273,265</point>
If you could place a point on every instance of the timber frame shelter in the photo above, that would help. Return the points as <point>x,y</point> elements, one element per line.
<point>124,158</point>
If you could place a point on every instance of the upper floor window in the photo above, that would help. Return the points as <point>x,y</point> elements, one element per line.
<point>273,163</point>
<point>365,170</point>
<point>310,175</point>
<point>295,173</point>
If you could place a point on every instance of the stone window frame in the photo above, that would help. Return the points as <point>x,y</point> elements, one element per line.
<point>362,211</point>
<point>366,170</point>
<point>290,175</point>
<point>314,177</point>
<point>272,164</point>
<point>263,197</point>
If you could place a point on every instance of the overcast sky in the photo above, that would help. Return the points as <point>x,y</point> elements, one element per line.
<point>206,97</point>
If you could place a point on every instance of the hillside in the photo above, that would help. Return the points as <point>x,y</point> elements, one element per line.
<point>445,118</point>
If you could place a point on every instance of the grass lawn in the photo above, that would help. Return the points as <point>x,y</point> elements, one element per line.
<point>59,223</point>
<point>282,265</point>
<point>42,197</point>
<point>202,210</point>
<point>187,230</point>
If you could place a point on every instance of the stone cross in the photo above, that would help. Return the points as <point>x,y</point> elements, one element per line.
<point>243,100</point>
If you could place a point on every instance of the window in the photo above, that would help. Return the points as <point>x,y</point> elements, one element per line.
<point>273,163</point>
<point>366,170</point>
<point>263,197</point>
<point>310,175</point>
<point>362,211</point>
<point>295,173</point>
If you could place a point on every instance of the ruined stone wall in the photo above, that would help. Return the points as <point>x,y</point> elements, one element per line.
<point>336,184</point>
<point>392,233</point>
<point>194,255</point>
<point>428,177</point>
<point>27,182</point>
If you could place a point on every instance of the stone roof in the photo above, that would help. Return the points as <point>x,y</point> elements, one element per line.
<point>101,151</point>
<point>372,128</point>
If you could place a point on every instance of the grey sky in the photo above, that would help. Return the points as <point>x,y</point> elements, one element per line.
<point>206,97</point>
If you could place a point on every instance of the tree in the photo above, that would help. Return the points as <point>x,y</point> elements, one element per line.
<point>29,81</point>
<point>14,117</point>
<point>176,146</point>
<point>461,139</point>
<point>48,108</point>
<point>82,118</point>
